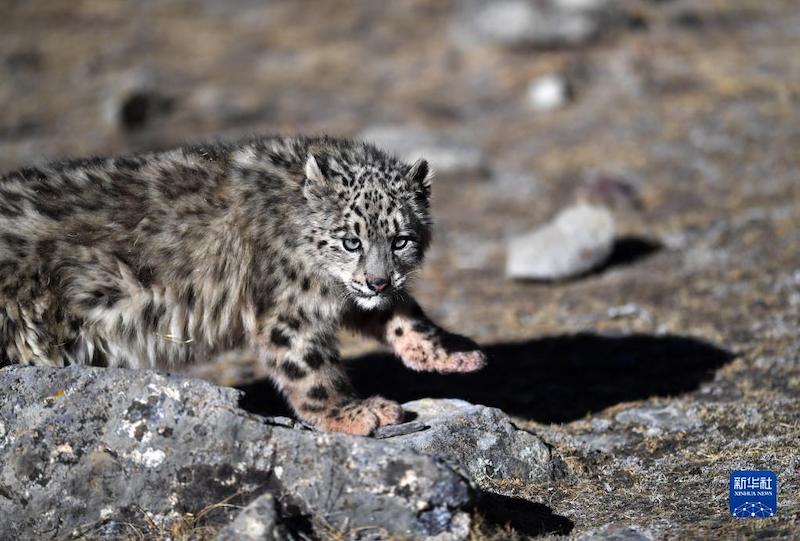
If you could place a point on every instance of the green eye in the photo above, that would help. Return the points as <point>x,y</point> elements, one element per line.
<point>351,245</point>
<point>400,242</point>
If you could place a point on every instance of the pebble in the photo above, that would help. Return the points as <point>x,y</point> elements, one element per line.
<point>578,239</point>
<point>548,93</point>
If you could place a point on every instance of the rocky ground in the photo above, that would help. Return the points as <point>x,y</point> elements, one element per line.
<point>652,377</point>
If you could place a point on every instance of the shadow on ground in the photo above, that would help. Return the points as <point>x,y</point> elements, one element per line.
<point>550,380</point>
<point>630,250</point>
<point>497,515</point>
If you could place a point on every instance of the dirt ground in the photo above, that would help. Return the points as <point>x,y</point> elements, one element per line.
<point>654,376</point>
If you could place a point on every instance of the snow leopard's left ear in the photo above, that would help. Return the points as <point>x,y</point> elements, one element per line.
<point>420,176</point>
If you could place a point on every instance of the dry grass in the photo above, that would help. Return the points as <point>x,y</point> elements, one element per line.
<point>197,526</point>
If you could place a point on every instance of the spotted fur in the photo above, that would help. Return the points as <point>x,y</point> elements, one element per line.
<point>263,247</point>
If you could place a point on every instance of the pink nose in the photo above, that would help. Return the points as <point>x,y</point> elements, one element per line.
<point>377,284</point>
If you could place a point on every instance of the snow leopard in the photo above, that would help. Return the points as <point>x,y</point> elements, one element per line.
<point>262,247</point>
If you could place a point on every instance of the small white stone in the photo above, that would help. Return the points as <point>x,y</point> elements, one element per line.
<point>548,93</point>
<point>579,239</point>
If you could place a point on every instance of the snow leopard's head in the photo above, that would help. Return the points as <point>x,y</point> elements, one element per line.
<point>372,220</point>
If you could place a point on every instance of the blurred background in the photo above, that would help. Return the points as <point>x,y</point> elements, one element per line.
<point>679,116</point>
<point>674,112</point>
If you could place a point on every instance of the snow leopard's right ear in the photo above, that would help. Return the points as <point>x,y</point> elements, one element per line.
<point>312,170</point>
<point>420,176</point>
<point>314,184</point>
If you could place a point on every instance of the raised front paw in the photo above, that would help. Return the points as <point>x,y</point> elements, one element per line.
<point>463,361</point>
<point>432,358</point>
<point>437,351</point>
<point>362,417</point>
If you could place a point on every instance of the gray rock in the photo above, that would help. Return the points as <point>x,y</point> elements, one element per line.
<point>601,442</point>
<point>446,155</point>
<point>579,239</point>
<point>256,522</point>
<point>659,419</point>
<point>96,451</point>
<point>538,23</point>
<point>479,441</point>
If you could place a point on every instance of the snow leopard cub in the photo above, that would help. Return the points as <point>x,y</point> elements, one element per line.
<point>260,248</point>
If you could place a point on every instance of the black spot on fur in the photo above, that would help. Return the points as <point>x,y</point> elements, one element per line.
<point>152,314</point>
<point>315,359</point>
<point>216,312</point>
<point>312,408</point>
<point>398,331</point>
<point>8,267</point>
<point>129,163</point>
<point>318,392</point>
<point>420,328</point>
<point>45,248</point>
<point>145,276</point>
<point>16,243</point>
<point>108,295</point>
<point>293,370</point>
<point>262,295</point>
<point>28,174</point>
<point>188,297</point>
<point>292,323</point>
<point>11,203</point>
<point>54,211</point>
<point>279,338</point>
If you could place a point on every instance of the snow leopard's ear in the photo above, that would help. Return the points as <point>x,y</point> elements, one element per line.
<point>420,176</point>
<point>312,170</point>
<point>314,184</point>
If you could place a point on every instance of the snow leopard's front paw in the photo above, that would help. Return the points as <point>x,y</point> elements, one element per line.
<point>362,417</point>
<point>436,358</point>
<point>463,361</point>
<point>434,350</point>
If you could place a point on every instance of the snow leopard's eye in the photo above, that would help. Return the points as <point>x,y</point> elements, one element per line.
<point>400,242</point>
<point>351,244</point>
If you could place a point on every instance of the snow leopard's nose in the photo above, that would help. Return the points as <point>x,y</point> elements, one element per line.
<point>376,283</point>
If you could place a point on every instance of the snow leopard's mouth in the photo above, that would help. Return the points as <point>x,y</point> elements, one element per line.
<point>369,299</point>
<point>364,295</point>
<point>360,291</point>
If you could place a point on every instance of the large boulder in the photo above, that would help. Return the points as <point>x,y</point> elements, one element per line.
<point>106,452</point>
